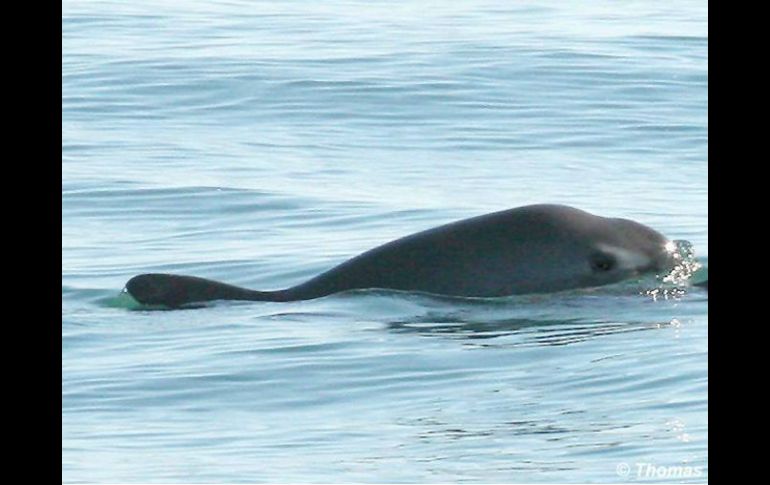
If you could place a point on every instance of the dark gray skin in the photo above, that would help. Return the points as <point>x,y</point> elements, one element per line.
<point>532,249</point>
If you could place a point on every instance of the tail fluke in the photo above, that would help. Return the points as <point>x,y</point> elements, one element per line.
<point>177,290</point>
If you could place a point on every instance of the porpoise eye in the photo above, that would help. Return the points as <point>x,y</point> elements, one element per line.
<point>602,262</point>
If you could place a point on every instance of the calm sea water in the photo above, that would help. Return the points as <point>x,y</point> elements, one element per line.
<point>260,143</point>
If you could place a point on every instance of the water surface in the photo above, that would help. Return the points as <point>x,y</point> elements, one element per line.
<point>260,143</point>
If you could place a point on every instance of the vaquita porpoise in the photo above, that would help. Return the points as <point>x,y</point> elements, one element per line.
<point>532,249</point>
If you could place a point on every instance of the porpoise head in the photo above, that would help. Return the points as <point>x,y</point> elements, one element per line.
<point>629,250</point>
<point>569,248</point>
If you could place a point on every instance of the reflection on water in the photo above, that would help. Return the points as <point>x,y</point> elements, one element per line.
<point>532,332</point>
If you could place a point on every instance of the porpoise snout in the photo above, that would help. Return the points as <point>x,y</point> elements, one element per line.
<point>642,249</point>
<point>665,259</point>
